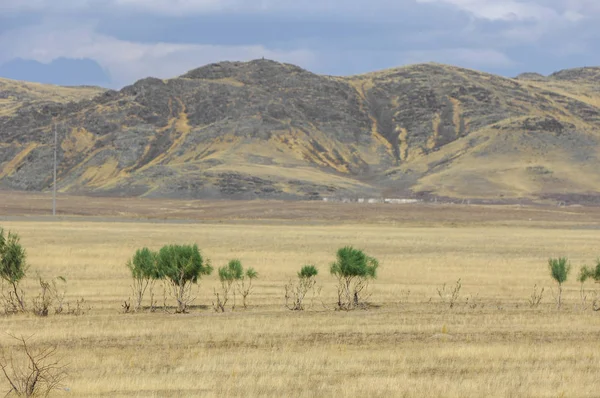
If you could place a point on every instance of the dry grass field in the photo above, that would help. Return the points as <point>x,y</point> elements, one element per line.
<point>408,344</point>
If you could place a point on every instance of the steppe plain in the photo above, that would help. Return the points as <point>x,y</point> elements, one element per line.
<point>408,343</point>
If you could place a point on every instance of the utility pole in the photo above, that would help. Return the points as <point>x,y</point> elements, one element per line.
<point>54,189</point>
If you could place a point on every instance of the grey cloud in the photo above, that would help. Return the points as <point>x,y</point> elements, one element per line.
<point>125,60</point>
<point>136,38</point>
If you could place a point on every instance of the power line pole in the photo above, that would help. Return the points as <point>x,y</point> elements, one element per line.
<point>54,189</point>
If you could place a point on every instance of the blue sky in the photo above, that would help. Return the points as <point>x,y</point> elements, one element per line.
<point>115,42</point>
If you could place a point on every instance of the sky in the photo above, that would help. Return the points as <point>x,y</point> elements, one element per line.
<point>113,43</point>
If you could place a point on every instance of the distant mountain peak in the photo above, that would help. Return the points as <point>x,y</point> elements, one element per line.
<point>589,73</point>
<point>244,70</point>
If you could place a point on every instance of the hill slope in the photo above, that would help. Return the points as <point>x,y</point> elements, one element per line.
<point>17,94</point>
<point>271,130</point>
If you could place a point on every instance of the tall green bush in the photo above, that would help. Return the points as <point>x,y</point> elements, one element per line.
<point>559,270</point>
<point>182,266</point>
<point>144,271</point>
<point>353,269</point>
<point>13,267</point>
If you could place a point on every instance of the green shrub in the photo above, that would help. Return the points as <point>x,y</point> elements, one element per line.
<point>228,275</point>
<point>559,270</point>
<point>181,266</point>
<point>296,291</point>
<point>232,278</point>
<point>308,271</point>
<point>353,269</point>
<point>13,268</point>
<point>586,273</point>
<point>144,270</point>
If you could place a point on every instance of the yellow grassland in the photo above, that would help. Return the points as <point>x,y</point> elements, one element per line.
<point>408,344</point>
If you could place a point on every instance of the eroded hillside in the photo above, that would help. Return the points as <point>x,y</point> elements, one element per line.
<point>271,130</point>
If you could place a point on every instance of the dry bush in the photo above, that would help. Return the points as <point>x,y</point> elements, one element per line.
<point>32,372</point>
<point>536,297</point>
<point>10,301</point>
<point>51,296</point>
<point>79,308</point>
<point>450,295</point>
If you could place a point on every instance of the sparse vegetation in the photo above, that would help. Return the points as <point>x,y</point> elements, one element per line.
<point>449,295</point>
<point>50,296</point>
<point>400,342</point>
<point>32,372</point>
<point>182,266</point>
<point>296,291</point>
<point>536,297</point>
<point>353,270</point>
<point>559,270</point>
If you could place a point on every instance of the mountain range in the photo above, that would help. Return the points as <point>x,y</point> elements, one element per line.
<point>263,129</point>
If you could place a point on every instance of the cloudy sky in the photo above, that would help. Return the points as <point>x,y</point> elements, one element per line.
<point>115,42</point>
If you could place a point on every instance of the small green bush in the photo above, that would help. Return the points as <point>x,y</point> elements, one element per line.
<point>353,269</point>
<point>228,275</point>
<point>308,271</point>
<point>559,270</point>
<point>587,272</point>
<point>296,291</point>
<point>232,278</point>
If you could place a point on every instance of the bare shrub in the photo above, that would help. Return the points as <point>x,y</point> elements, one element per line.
<point>11,302</point>
<point>51,296</point>
<point>449,295</point>
<point>79,308</point>
<point>473,301</point>
<point>536,297</point>
<point>244,285</point>
<point>126,306</point>
<point>32,372</point>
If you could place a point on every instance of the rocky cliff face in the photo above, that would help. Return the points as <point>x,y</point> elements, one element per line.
<point>268,130</point>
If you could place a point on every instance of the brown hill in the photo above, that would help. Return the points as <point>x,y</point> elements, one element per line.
<point>15,95</point>
<point>271,130</point>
